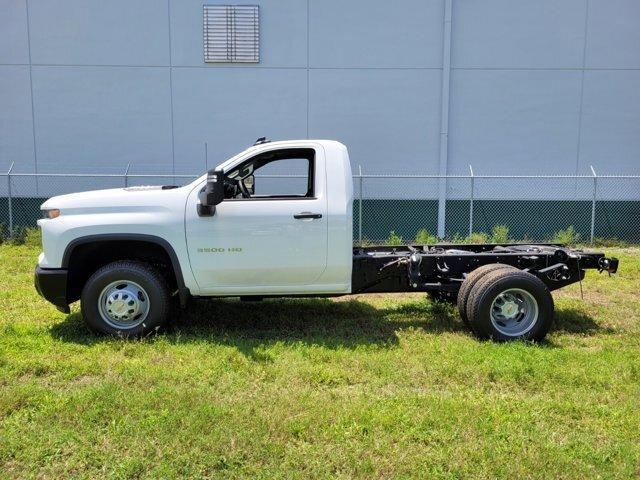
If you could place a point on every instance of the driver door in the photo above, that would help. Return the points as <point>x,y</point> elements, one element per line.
<point>269,237</point>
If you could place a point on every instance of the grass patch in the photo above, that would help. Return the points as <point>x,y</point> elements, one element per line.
<point>569,236</point>
<point>363,386</point>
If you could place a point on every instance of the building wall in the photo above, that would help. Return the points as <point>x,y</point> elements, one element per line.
<point>549,86</point>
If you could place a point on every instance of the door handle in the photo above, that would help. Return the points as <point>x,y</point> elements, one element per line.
<point>302,215</point>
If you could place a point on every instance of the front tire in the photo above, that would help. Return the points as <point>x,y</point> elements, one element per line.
<point>126,298</point>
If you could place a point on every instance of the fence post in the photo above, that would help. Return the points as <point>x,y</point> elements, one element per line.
<point>126,173</point>
<point>471,200</point>
<point>593,202</point>
<point>360,206</point>
<point>10,200</point>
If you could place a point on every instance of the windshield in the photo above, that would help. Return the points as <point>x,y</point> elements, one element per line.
<point>222,166</point>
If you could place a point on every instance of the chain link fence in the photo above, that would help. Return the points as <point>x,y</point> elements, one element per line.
<point>485,208</point>
<point>413,208</point>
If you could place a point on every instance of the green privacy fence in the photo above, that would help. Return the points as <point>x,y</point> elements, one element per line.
<point>450,207</point>
<point>528,207</point>
<point>526,220</point>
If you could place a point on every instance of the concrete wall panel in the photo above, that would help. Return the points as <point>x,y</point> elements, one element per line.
<point>389,119</point>
<point>97,119</point>
<point>610,138</point>
<point>14,41</point>
<point>514,122</point>
<point>114,32</point>
<point>362,33</point>
<point>613,34</point>
<point>16,126</point>
<point>229,108</point>
<point>518,33</point>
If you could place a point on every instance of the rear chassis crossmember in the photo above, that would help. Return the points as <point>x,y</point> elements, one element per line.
<point>443,267</point>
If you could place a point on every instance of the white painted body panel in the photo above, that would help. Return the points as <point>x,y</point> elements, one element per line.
<point>151,212</point>
<point>271,252</point>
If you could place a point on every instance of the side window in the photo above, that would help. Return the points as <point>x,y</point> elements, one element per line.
<point>287,173</point>
<point>289,176</point>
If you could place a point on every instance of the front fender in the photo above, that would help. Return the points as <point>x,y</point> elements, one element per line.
<point>176,264</point>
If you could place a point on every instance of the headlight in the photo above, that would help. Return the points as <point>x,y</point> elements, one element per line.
<point>51,213</point>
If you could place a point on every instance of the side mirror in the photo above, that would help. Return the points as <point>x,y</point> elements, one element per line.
<point>250,184</point>
<point>212,194</point>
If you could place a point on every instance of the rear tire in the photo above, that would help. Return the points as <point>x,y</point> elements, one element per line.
<point>470,281</point>
<point>126,298</point>
<point>509,304</point>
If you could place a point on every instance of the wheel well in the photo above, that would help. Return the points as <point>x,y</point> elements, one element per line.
<point>84,259</point>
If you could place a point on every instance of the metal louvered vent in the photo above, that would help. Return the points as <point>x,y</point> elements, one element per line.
<point>231,33</point>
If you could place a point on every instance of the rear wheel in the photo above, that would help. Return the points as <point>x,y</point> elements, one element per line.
<point>126,298</point>
<point>510,304</point>
<point>470,281</point>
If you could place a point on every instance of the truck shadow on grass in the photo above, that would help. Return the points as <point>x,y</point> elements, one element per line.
<point>332,324</point>
<point>322,322</point>
<point>572,320</point>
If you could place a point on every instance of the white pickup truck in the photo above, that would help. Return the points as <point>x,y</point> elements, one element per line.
<point>130,254</point>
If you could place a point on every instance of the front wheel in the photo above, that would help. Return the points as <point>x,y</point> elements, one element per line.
<point>126,298</point>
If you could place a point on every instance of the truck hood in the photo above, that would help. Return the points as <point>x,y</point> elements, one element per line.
<point>115,199</point>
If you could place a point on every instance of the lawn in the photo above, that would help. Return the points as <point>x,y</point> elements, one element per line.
<point>371,387</point>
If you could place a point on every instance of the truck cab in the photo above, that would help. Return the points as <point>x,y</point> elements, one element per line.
<point>283,226</point>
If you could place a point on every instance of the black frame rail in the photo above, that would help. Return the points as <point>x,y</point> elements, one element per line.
<point>443,267</point>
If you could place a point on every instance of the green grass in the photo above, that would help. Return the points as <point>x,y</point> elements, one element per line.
<point>378,386</point>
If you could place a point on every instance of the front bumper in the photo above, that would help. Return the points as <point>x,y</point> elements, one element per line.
<point>51,284</point>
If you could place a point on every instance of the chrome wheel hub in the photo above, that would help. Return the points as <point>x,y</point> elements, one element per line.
<point>123,304</point>
<point>509,309</point>
<point>514,312</point>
